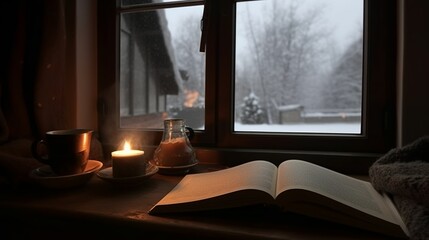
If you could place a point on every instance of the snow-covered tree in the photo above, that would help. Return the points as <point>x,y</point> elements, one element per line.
<point>285,49</point>
<point>251,111</point>
<point>345,88</point>
<point>190,64</point>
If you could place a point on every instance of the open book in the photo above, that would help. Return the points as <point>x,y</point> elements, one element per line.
<point>295,186</point>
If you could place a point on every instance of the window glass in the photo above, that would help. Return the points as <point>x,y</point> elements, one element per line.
<point>298,66</point>
<point>161,68</point>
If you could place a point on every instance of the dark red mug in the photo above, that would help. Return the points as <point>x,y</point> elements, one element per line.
<point>65,151</point>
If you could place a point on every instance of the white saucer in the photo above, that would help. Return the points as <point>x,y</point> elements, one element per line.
<point>107,175</point>
<point>176,170</point>
<point>46,178</point>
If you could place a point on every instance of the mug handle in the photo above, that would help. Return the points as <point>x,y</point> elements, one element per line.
<point>190,133</point>
<point>35,152</point>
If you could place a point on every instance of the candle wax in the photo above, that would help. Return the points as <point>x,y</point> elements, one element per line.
<point>128,163</point>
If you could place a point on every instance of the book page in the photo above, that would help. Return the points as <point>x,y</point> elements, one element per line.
<point>350,191</point>
<point>256,175</point>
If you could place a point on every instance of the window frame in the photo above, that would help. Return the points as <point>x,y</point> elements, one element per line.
<point>218,142</point>
<point>378,123</point>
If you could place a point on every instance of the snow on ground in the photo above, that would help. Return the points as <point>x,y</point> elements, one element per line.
<point>339,128</point>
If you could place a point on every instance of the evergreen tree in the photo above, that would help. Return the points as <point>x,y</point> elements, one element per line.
<point>251,111</point>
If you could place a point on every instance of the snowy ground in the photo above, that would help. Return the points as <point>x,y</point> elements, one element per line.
<point>340,128</point>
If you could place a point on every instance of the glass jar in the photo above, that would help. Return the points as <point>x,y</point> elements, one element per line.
<point>175,149</point>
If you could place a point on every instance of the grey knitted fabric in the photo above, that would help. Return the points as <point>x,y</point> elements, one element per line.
<point>403,173</point>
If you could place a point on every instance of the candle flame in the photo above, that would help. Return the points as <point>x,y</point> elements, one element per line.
<point>127,146</point>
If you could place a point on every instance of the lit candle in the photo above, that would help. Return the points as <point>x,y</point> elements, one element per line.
<point>128,162</point>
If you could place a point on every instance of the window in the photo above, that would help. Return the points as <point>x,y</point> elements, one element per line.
<point>236,67</point>
<point>161,69</point>
<point>298,66</point>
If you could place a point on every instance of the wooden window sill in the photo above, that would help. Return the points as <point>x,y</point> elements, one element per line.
<point>100,209</point>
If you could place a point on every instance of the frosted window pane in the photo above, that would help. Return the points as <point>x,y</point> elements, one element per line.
<point>162,70</point>
<point>299,66</point>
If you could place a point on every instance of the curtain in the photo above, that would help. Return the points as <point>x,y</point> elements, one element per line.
<point>33,75</point>
<point>35,94</point>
